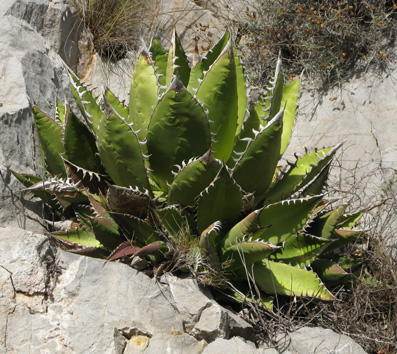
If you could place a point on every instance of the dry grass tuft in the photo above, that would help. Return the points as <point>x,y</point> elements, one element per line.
<point>114,24</point>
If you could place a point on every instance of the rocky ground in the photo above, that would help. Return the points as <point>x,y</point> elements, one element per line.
<point>53,301</point>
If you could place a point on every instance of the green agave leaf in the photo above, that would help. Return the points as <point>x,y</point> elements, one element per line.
<point>241,92</point>
<point>30,180</point>
<point>330,273</point>
<point>192,180</point>
<point>27,180</point>
<point>198,70</point>
<point>304,170</point>
<point>300,250</point>
<point>284,219</point>
<point>177,64</point>
<point>262,108</point>
<point>275,94</point>
<point>348,264</point>
<point>120,152</point>
<point>107,232</point>
<point>208,242</point>
<point>143,93</point>
<point>245,253</point>
<point>139,230</point>
<point>317,186</point>
<point>348,221</point>
<point>60,113</point>
<point>260,158</point>
<point>325,224</point>
<point>265,301</point>
<point>260,115</point>
<point>178,131</point>
<point>282,279</point>
<point>251,125</point>
<point>78,236</point>
<point>50,136</point>
<point>341,238</point>
<point>87,104</point>
<point>160,59</point>
<point>243,228</point>
<point>67,199</point>
<point>218,93</point>
<point>172,219</point>
<point>221,200</point>
<point>118,106</point>
<point>83,213</point>
<point>80,145</point>
<point>289,101</point>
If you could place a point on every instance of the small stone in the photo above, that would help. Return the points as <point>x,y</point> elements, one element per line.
<point>235,345</point>
<point>140,342</point>
<point>213,324</point>
<point>307,340</point>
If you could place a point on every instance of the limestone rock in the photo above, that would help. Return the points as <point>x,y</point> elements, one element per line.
<point>75,304</point>
<point>212,325</point>
<point>26,257</point>
<point>68,303</point>
<point>31,72</point>
<point>309,340</point>
<point>58,24</point>
<point>161,343</point>
<point>234,345</point>
<point>191,310</point>
<point>218,322</point>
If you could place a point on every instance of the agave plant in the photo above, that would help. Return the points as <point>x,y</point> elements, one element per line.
<point>188,154</point>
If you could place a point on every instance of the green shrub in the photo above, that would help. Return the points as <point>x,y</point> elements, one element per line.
<point>330,40</point>
<point>187,169</point>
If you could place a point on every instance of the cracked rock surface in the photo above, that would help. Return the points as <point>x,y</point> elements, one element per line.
<point>59,301</point>
<point>52,301</point>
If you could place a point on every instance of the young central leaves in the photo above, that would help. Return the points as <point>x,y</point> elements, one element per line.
<point>121,153</point>
<point>178,131</point>
<point>218,92</point>
<point>188,179</point>
<point>221,201</point>
<point>143,94</point>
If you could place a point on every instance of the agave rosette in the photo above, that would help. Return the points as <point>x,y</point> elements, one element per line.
<point>187,150</point>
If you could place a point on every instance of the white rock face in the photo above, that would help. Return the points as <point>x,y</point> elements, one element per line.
<point>31,71</point>
<point>364,113</point>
